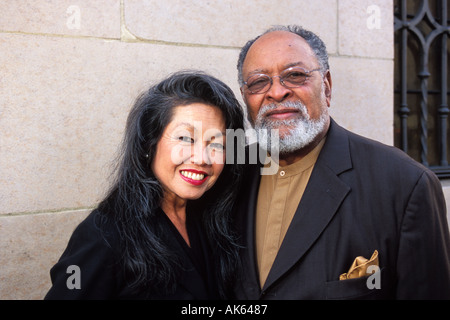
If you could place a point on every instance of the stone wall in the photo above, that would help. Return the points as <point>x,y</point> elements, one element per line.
<point>71,69</point>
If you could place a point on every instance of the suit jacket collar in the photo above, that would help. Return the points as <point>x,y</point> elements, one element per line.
<point>321,199</point>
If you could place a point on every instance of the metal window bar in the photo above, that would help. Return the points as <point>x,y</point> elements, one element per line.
<point>405,25</point>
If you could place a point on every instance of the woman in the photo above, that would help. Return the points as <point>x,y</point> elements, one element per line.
<point>163,231</point>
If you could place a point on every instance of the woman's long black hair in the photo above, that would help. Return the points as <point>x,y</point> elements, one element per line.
<point>133,201</point>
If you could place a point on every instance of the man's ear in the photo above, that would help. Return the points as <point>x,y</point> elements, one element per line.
<point>242,94</point>
<point>328,86</point>
<point>243,97</point>
<point>246,107</point>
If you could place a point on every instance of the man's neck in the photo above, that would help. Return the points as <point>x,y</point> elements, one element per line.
<point>292,157</point>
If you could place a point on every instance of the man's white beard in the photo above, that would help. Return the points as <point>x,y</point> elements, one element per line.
<point>298,132</point>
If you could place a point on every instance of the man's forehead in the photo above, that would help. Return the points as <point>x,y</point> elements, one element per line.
<point>281,48</point>
<point>280,34</point>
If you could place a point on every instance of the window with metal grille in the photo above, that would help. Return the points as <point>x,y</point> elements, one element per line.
<point>421,82</point>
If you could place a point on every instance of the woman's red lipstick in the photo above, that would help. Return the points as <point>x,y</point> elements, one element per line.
<point>193,177</point>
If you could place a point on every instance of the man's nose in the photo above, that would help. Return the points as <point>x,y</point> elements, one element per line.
<point>278,92</point>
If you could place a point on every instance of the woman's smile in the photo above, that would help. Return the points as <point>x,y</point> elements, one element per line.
<point>194,177</point>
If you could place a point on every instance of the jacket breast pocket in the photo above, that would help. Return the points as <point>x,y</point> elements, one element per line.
<point>365,288</point>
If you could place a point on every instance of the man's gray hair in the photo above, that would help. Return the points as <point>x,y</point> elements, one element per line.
<point>316,44</point>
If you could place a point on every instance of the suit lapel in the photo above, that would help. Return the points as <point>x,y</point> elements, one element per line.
<point>250,214</point>
<point>320,202</point>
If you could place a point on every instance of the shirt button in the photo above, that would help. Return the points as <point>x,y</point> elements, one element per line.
<point>282,173</point>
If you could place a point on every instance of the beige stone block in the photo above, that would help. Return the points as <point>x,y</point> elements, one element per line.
<point>100,18</point>
<point>63,106</point>
<point>228,22</point>
<point>362,97</point>
<point>29,246</point>
<point>366,28</point>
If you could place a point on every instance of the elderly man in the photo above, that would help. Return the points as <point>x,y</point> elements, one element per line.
<point>344,217</point>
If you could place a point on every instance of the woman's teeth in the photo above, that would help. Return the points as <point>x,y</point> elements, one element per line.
<point>192,175</point>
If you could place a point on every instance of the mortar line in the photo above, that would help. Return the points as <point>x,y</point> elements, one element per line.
<point>60,210</point>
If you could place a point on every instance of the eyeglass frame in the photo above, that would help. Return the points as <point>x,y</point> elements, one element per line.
<point>281,79</point>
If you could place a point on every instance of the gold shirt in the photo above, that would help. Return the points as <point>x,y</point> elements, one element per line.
<point>278,199</point>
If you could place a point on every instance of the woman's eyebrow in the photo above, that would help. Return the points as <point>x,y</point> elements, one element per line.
<point>190,126</point>
<point>218,135</point>
<point>185,124</point>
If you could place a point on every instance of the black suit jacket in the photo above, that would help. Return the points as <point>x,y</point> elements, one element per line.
<point>95,252</point>
<point>362,196</point>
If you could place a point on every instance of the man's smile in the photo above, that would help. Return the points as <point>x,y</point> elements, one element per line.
<point>282,114</point>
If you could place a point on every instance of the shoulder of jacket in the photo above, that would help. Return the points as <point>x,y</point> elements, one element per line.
<point>95,228</point>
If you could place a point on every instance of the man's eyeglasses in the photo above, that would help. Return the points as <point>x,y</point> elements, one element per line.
<point>291,78</point>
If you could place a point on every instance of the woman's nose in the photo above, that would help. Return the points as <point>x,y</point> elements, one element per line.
<point>200,154</point>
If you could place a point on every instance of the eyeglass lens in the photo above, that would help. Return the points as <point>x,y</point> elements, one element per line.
<point>291,77</point>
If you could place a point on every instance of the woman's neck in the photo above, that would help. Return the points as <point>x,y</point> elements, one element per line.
<point>175,209</point>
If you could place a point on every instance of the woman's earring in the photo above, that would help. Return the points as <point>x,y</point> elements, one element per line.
<point>146,155</point>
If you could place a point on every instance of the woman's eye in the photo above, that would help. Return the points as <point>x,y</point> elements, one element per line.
<point>186,139</point>
<point>217,146</point>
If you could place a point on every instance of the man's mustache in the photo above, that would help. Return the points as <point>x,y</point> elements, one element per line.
<point>272,108</point>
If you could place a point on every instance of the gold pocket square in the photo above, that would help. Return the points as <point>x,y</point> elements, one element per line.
<point>359,267</point>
